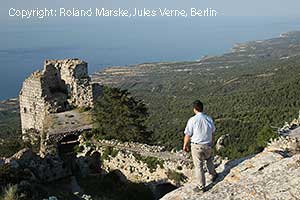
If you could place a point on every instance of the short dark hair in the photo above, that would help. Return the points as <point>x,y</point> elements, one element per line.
<point>198,105</point>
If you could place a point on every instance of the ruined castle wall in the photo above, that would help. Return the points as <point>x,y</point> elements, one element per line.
<point>52,81</point>
<point>72,70</point>
<point>82,94</point>
<point>74,74</point>
<point>138,171</point>
<point>61,85</point>
<point>32,104</point>
<point>130,159</point>
<point>76,77</point>
<point>55,90</point>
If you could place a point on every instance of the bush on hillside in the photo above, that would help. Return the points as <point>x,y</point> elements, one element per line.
<point>10,193</point>
<point>264,136</point>
<point>117,115</point>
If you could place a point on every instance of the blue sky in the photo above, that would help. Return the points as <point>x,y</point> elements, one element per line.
<point>278,8</point>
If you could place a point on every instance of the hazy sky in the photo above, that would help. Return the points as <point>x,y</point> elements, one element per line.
<point>113,41</point>
<point>280,8</point>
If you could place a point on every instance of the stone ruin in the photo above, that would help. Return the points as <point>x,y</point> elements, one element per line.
<point>61,86</point>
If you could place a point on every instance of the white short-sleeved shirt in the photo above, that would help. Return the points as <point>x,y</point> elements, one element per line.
<point>200,127</point>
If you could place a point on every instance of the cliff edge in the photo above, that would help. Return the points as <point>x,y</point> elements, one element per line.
<point>271,174</point>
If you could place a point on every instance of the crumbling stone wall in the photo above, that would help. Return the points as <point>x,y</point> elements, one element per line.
<point>60,86</point>
<point>74,73</point>
<point>32,105</point>
<point>141,162</point>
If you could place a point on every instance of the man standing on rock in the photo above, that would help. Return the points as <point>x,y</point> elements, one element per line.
<point>199,130</point>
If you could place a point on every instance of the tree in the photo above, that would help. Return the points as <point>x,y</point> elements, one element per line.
<point>117,115</point>
<point>264,136</point>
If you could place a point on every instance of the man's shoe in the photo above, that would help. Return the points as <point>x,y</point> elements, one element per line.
<point>198,189</point>
<point>214,178</point>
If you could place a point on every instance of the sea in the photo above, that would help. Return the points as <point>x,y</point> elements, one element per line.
<point>121,42</point>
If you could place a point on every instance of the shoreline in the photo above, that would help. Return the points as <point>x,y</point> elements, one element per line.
<point>234,49</point>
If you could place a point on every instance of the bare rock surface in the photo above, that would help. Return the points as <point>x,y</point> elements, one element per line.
<point>267,175</point>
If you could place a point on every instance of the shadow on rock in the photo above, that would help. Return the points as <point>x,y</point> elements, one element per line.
<point>227,168</point>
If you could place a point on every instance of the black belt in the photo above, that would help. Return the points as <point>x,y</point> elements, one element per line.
<point>208,144</point>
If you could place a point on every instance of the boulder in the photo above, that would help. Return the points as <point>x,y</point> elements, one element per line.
<point>221,142</point>
<point>23,156</point>
<point>89,164</point>
<point>286,145</point>
<point>40,169</point>
<point>50,168</point>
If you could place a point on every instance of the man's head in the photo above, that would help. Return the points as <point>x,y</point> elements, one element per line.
<point>198,106</point>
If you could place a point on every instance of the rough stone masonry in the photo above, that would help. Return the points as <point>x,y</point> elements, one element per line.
<point>61,86</point>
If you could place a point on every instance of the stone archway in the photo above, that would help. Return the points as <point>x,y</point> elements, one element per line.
<point>65,150</point>
<point>65,146</point>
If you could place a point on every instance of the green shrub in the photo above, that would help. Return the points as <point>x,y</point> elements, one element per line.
<point>78,149</point>
<point>177,177</point>
<point>10,146</point>
<point>87,135</point>
<point>83,109</point>
<point>264,136</point>
<point>109,152</point>
<point>10,193</point>
<point>152,162</point>
<point>9,175</point>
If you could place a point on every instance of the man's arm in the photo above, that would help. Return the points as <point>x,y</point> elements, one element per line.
<point>188,134</point>
<point>186,143</point>
<point>213,134</point>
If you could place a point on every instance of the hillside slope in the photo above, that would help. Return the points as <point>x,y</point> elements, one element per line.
<point>9,118</point>
<point>253,86</point>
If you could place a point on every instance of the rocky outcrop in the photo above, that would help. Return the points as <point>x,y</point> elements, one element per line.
<point>272,174</point>
<point>90,164</point>
<point>37,177</point>
<point>221,142</point>
<point>288,128</point>
<point>285,145</point>
<point>40,169</point>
